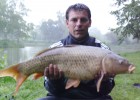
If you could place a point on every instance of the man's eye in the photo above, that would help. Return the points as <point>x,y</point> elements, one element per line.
<point>74,20</point>
<point>84,20</point>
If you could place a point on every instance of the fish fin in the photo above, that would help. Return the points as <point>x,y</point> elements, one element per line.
<point>41,52</point>
<point>21,78</point>
<point>37,76</point>
<point>44,50</point>
<point>103,65</point>
<point>13,71</point>
<point>72,83</point>
<point>71,45</point>
<point>47,49</point>
<point>99,81</point>
<point>103,72</point>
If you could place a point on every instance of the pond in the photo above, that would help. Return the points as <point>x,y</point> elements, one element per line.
<point>16,55</point>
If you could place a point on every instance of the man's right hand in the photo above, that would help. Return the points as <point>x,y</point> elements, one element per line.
<point>52,72</point>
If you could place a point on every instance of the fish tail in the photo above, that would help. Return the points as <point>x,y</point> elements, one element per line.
<point>16,74</point>
<point>10,71</point>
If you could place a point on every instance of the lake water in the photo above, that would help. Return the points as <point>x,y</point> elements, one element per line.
<point>16,55</point>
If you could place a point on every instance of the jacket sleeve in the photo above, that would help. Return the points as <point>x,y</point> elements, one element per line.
<point>55,87</point>
<point>107,86</point>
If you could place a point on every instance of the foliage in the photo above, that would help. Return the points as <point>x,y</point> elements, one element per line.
<point>3,58</point>
<point>128,17</point>
<point>112,38</point>
<point>53,30</point>
<point>12,24</point>
<point>120,2</point>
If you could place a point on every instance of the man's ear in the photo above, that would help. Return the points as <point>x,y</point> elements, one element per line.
<point>90,22</point>
<point>67,22</point>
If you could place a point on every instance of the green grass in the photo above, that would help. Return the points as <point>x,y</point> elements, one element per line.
<point>34,89</point>
<point>30,90</point>
<point>124,89</point>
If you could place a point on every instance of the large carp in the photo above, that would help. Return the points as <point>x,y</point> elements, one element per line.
<point>77,62</point>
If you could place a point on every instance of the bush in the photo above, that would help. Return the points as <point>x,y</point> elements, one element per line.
<point>3,58</point>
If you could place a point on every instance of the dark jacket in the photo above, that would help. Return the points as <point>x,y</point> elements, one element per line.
<point>86,89</point>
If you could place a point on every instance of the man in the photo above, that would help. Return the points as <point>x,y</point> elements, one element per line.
<point>78,21</point>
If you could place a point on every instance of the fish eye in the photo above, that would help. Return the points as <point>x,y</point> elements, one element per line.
<point>120,61</point>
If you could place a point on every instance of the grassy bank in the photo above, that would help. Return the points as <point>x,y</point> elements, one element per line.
<point>31,89</point>
<point>124,89</point>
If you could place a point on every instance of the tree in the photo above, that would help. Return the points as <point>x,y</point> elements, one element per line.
<point>52,31</point>
<point>13,28</point>
<point>120,2</point>
<point>128,19</point>
<point>111,38</point>
<point>12,24</point>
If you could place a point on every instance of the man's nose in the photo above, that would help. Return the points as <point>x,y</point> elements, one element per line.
<point>78,22</point>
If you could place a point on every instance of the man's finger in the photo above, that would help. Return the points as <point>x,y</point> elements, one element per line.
<point>46,72</point>
<point>51,71</point>
<point>56,72</point>
<point>61,73</point>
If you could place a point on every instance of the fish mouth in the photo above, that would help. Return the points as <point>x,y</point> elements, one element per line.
<point>131,69</point>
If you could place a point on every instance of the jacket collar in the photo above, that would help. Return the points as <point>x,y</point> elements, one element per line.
<point>72,40</point>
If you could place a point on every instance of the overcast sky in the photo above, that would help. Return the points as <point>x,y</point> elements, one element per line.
<point>46,9</point>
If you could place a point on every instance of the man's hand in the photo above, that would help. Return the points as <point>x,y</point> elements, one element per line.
<point>108,76</point>
<point>52,72</point>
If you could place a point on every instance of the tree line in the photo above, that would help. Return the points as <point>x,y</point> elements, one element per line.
<point>14,28</point>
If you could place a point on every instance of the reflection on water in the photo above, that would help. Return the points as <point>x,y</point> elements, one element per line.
<point>16,55</point>
<point>29,52</point>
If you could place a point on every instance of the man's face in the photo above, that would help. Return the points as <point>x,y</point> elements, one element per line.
<point>78,24</point>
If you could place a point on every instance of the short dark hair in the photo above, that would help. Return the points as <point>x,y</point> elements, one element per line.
<point>80,7</point>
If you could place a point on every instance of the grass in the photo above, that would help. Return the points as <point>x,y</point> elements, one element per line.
<point>34,89</point>
<point>30,90</point>
<point>124,89</point>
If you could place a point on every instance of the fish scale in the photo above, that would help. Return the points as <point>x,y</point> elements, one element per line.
<point>76,57</point>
